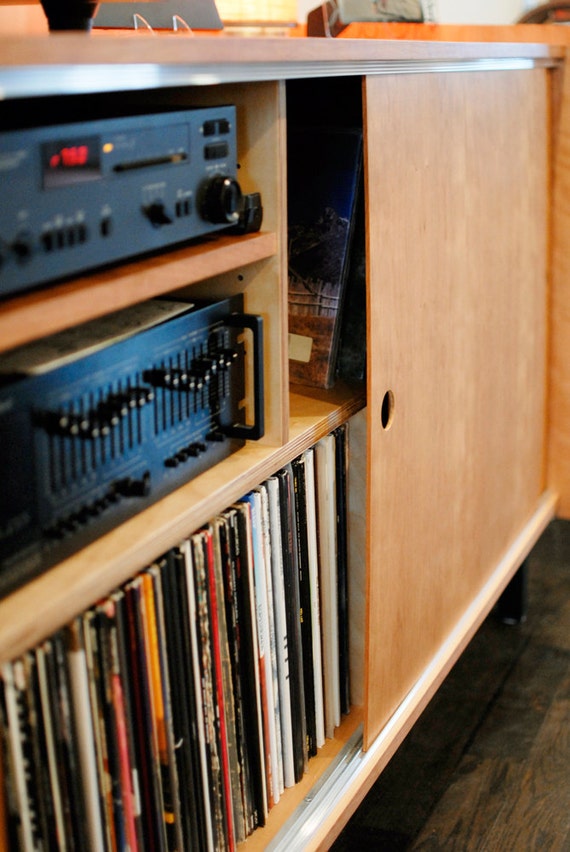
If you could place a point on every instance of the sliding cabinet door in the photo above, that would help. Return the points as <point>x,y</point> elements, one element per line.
<point>457,191</point>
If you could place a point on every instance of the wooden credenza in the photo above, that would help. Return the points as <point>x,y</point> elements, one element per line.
<point>459,447</point>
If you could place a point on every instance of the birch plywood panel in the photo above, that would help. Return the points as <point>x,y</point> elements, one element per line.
<point>458,181</point>
<point>559,366</point>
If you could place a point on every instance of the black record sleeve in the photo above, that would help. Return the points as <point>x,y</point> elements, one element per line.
<point>340,436</point>
<point>293,609</point>
<point>183,696</point>
<point>298,467</point>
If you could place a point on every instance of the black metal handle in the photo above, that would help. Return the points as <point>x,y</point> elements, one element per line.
<point>256,430</point>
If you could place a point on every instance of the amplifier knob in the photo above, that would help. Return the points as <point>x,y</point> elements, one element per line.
<point>157,215</point>
<point>221,201</point>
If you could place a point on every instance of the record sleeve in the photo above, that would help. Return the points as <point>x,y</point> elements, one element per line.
<point>210,707</point>
<point>252,721</point>
<point>300,496</point>
<point>219,652</point>
<point>108,758</point>
<point>116,725</point>
<point>277,755</point>
<point>227,632</point>
<point>253,499</point>
<point>44,660</point>
<point>241,660</point>
<point>42,779</point>
<point>203,790</point>
<point>341,455</point>
<point>124,662</point>
<point>314,570</point>
<point>351,356</point>
<point>7,838</point>
<point>25,817</point>
<point>293,614</point>
<point>145,744</point>
<point>178,659</point>
<point>229,547</point>
<point>84,731</point>
<point>326,486</point>
<point>41,802</point>
<point>323,177</point>
<point>281,639</point>
<point>172,807</point>
<point>65,750</point>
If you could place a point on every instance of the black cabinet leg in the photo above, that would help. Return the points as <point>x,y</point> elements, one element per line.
<point>513,603</point>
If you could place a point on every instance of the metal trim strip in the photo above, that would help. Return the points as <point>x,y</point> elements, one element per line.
<point>45,80</point>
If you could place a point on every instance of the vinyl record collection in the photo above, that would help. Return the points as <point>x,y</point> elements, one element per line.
<point>172,714</point>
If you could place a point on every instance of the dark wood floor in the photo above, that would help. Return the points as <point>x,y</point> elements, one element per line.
<point>487,767</point>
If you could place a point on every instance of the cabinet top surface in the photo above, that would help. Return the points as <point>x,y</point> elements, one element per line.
<point>67,63</point>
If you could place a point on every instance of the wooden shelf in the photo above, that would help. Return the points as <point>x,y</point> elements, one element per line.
<point>46,311</point>
<point>35,611</point>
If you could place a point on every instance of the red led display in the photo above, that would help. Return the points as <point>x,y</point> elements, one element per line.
<point>70,161</point>
<point>70,158</point>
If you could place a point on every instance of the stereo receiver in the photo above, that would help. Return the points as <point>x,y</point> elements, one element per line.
<point>78,196</point>
<point>99,422</point>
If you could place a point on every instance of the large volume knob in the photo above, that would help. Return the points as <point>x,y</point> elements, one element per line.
<point>221,201</point>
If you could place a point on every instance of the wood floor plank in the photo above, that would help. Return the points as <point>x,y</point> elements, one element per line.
<point>510,728</point>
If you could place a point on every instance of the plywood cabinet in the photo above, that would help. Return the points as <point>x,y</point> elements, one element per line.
<point>449,485</point>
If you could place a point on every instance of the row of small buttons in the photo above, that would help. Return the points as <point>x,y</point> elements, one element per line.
<point>128,487</point>
<point>191,451</point>
<point>65,237</point>
<point>183,207</point>
<point>55,239</point>
<point>73,522</point>
<point>194,449</point>
<point>216,127</point>
<point>72,235</point>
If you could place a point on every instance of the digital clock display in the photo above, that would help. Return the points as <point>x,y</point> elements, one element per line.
<point>70,161</point>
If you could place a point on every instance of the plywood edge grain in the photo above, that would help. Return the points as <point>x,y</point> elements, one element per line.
<point>558,443</point>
